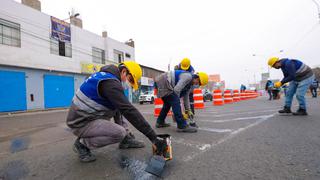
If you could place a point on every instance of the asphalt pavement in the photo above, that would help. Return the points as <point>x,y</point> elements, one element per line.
<point>244,140</point>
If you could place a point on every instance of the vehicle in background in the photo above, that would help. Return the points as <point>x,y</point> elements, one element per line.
<point>147,96</point>
<point>207,95</point>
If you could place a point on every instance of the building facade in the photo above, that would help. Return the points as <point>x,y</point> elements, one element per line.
<point>44,60</point>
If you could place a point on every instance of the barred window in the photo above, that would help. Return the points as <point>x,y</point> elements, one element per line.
<point>98,55</point>
<point>60,48</point>
<point>10,33</point>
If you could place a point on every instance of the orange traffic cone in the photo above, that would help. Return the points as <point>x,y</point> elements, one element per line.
<point>158,104</point>
<point>227,97</point>
<point>217,98</point>
<point>236,96</point>
<point>198,99</point>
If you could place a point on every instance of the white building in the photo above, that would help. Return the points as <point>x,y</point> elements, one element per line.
<point>38,71</point>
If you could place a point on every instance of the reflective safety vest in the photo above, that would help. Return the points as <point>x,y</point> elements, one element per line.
<point>89,89</point>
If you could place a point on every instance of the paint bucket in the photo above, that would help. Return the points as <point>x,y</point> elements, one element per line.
<point>168,152</point>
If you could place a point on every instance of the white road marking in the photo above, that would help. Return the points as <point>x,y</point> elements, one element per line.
<point>230,136</point>
<point>215,130</point>
<point>234,119</point>
<point>196,145</point>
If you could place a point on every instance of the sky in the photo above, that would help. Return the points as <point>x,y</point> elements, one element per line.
<point>233,38</point>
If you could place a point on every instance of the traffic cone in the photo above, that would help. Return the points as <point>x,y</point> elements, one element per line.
<point>227,97</point>
<point>198,99</point>
<point>236,96</point>
<point>158,104</point>
<point>217,98</point>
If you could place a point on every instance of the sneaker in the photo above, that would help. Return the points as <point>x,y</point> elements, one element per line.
<point>130,142</point>
<point>162,125</point>
<point>285,110</point>
<point>187,129</point>
<point>83,152</point>
<point>193,124</point>
<point>300,112</point>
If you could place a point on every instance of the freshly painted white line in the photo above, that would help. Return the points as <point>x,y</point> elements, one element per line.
<point>234,119</point>
<point>230,136</point>
<point>215,130</point>
<point>196,145</point>
<point>240,113</point>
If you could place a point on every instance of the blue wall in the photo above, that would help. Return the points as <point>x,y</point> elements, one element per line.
<point>12,91</point>
<point>34,85</point>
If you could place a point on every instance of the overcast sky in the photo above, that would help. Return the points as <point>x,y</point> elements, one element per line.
<point>219,36</point>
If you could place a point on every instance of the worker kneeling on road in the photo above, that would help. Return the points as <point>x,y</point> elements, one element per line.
<point>300,77</point>
<point>172,86</point>
<point>100,98</point>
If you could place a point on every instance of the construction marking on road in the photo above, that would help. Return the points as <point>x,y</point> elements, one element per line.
<point>196,145</point>
<point>234,119</point>
<point>228,137</point>
<point>215,130</point>
<point>240,113</point>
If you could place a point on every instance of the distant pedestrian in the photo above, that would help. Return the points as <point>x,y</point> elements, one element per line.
<point>300,77</point>
<point>268,88</point>
<point>314,87</point>
<point>243,88</point>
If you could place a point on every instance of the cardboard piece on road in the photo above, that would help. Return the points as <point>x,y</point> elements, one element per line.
<point>156,165</point>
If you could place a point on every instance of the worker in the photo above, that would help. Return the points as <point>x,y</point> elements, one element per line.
<point>268,88</point>
<point>314,87</point>
<point>300,77</point>
<point>100,98</point>
<point>172,86</point>
<point>185,64</point>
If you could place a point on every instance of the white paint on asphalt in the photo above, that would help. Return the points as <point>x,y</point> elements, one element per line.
<point>234,119</point>
<point>196,145</point>
<point>230,136</point>
<point>241,113</point>
<point>215,130</point>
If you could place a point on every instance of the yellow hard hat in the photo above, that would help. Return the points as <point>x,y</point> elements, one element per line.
<point>136,72</point>
<point>272,61</point>
<point>185,64</point>
<point>204,78</point>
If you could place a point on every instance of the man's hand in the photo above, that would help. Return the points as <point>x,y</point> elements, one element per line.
<point>277,84</point>
<point>190,114</point>
<point>185,116</point>
<point>160,146</point>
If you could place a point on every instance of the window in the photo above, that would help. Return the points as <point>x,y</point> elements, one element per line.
<point>98,55</point>
<point>128,55</point>
<point>60,48</point>
<point>10,33</point>
<point>118,56</point>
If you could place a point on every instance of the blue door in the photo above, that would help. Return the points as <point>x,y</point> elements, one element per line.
<point>12,91</point>
<point>58,91</point>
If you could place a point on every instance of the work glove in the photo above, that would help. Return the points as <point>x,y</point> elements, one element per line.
<point>160,146</point>
<point>190,114</point>
<point>277,84</point>
<point>185,116</point>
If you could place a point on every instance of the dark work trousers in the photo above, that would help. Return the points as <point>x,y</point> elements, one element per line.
<point>173,101</point>
<point>270,94</point>
<point>314,91</point>
<point>191,102</point>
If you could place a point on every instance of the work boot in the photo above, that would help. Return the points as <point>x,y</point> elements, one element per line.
<point>129,141</point>
<point>83,151</point>
<point>187,129</point>
<point>300,112</point>
<point>193,124</point>
<point>285,110</point>
<point>162,125</point>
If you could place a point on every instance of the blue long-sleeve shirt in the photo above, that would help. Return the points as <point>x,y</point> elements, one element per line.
<point>294,70</point>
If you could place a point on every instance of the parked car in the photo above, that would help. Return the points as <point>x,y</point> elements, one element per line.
<point>207,95</point>
<point>147,96</point>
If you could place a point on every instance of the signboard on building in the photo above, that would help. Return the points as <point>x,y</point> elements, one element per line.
<point>145,81</point>
<point>60,30</point>
<point>90,68</point>
<point>214,78</point>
